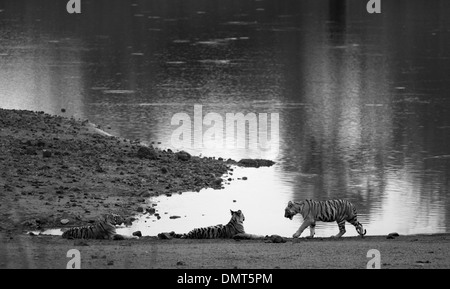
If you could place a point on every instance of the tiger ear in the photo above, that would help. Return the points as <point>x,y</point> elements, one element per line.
<point>290,204</point>
<point>232,212</point>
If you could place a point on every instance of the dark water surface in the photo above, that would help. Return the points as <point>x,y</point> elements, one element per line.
<point>363,100</point>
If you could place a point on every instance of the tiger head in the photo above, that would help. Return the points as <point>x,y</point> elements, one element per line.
<point>237,216</point>
<point>113,219</point>
<point>291,210</point>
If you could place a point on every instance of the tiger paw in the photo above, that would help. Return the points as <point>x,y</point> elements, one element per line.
<point>296,235</point>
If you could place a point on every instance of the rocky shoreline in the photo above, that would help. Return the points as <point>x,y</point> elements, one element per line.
<point>54,168</point>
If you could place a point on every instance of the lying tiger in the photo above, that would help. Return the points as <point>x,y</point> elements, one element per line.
<point>234,229</point>
<point>325,211</point>
<point>103,228</point>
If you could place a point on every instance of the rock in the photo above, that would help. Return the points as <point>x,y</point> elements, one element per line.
<point>46,154</point>
<point>181,263</point>
<point>275,239</point>
<point>65,221</point>
<point>147,153</point>
<point>118,237</point>
<point>218,181</point>
<point>140,210</point>
<point>392,235</point>
<point>63,110</point>
<point>164,236</point>
<point>174,217</point>
<point>255,163</point>
<point>184,156</point>
<point>423,262</point>
<point>137,233</point>
<point>110,263</point>
<point>146,195</point>
<point>151,210</point>
<point>244,178</point>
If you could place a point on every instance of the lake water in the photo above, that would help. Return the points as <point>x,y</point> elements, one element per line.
<point>362,100</point>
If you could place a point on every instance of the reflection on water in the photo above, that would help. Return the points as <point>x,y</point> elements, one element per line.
<point>362,99</point>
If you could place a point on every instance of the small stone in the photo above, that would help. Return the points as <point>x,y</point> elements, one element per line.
<point>137,234</point>
<point>174,217</point>
<point>218,181</point>
<point>184,156</point>
<point>164,236</point>
<point>110,263</point>
<point>46,154</point>
<point>255,163</point>
<point>392,235</point>
<point>65,221</point>
<point>140,209</point>
<point>244,178</point>
<point>181,263</point>
<point>164,170</point>
<point>147,153</point>
<point>118,237</point>
<point>277,239</point>
<point>63,110</point>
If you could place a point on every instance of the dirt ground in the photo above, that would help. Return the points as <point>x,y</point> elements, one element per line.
<point>54,168</point>
<point>421,251</point>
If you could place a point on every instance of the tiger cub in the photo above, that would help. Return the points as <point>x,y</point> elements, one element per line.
<point>103,228</point>
<point>234,227</point>
<point>326,211</point>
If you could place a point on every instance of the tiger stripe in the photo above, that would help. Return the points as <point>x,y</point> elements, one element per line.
<point>235,226</point>
<point>103,228</point>
<point>338,211</point>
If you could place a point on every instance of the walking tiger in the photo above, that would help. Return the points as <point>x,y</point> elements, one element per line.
<point>325,211</point>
